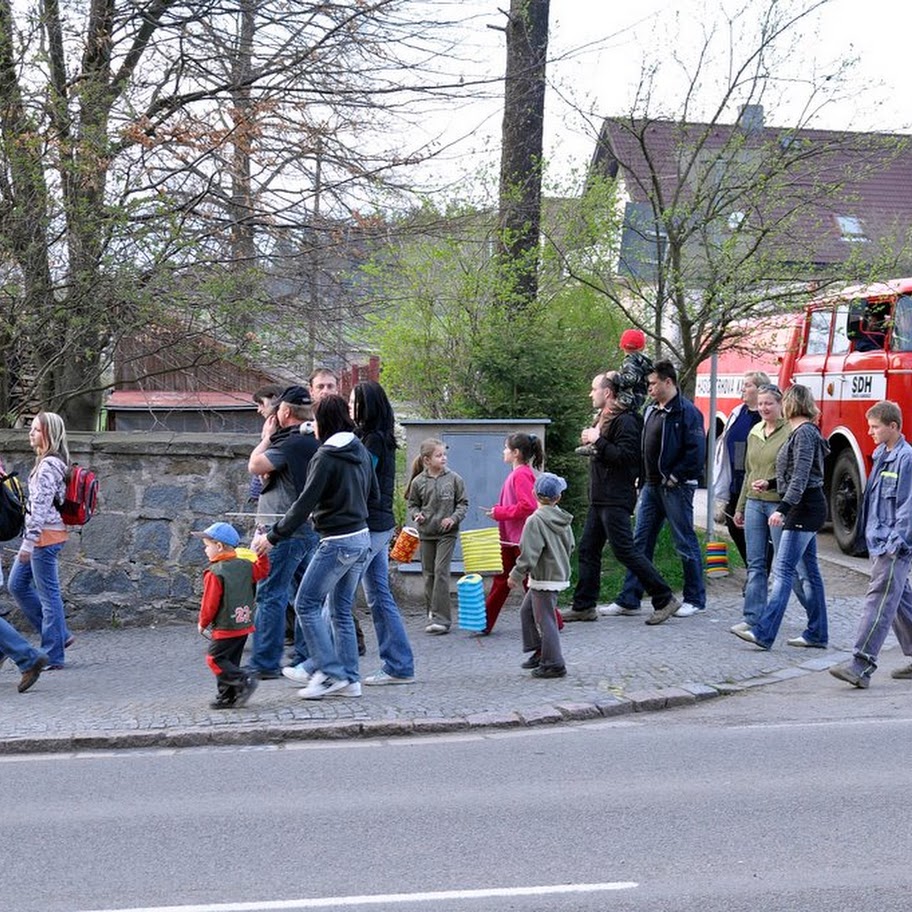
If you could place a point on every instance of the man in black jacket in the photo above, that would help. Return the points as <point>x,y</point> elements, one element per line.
<point>282,458</point>
<point>613,471</point>
<point>674,453</point>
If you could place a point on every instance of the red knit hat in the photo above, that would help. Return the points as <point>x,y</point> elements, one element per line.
<point>633,340</point>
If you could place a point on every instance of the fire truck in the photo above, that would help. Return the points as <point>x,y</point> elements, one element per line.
<point>852,349</point>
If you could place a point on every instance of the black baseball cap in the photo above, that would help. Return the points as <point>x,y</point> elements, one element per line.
<point>296,395</point>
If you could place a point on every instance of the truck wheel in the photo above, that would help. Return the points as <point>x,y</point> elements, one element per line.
<point>845,501</point>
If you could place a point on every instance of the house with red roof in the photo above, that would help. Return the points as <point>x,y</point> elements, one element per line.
<point>813,203</point>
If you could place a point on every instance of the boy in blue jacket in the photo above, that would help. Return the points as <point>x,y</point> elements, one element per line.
<point>887,521</point>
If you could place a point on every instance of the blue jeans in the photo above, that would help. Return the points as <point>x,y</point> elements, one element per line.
<point>35,585</point>
<point>793,546</point>
<point>334,571</point>
<point>656,504</point>
<point>392,640</point>
<point>758,533</point>
<point>16,646</point>
<point>272,597</point>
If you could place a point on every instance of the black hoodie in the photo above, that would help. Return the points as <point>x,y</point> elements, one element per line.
<point>340,482</point>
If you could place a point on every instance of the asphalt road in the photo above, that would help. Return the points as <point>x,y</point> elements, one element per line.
<point>784,798</point>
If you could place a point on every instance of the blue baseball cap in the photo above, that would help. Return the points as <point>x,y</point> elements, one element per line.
<point>549,486</point>
<point>221,532</point>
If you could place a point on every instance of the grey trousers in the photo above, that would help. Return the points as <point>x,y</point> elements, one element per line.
<point>436,555</point>
<point>888,603</point>
<point>539,627</point>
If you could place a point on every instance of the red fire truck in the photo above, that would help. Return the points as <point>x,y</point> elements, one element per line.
<point>851,349</point>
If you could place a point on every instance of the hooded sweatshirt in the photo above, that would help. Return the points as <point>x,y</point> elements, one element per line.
<point>340,482</point>
<point>545,548</point>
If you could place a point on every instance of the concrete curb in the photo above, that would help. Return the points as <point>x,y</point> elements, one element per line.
<point>229,735</point>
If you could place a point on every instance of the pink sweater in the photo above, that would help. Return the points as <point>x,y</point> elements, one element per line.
<point>516,503</point>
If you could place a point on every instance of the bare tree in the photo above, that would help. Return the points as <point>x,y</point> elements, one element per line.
<point>717,221</point>
<point>154,154</point>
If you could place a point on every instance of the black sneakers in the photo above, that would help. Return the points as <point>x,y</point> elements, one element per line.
<point>549,671</point>
<point>245,691</point>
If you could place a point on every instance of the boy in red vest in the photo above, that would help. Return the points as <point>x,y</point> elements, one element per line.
<point>229,593</point>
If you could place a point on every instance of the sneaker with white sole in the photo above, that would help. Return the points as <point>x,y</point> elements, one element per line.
<point>615,610</point>
<point>322,685</point>
<point>351,689</point>
<point>687,610</point>
<point>739,628</point>
<point>297,673</point>
<point>381,677</point>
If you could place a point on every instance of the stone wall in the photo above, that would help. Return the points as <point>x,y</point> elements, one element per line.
<point>135,562</point>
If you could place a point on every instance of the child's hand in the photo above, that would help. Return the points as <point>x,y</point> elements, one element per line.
<point>511,583</point>
<point>419,518</point>
<point>261,544</point>
<point>488,511</point>
<point>447,523</point>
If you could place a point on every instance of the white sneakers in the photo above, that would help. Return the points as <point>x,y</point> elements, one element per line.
<point>322,685</point>
<point>381,677</point>
<point>615,610</point>
<point>319,685</point>
<point>297,673</point>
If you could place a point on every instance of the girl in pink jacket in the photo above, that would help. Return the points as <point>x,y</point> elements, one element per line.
<point>516,503</point>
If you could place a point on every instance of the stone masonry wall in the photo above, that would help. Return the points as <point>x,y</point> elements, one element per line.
<point>135,562</point>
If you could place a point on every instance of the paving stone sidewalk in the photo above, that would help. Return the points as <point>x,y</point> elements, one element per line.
<point>150,687</point>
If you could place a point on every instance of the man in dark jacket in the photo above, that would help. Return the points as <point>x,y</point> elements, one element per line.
<point>340,483</point>
<point>282,458</point>
<point>614,467</point>
<point>674,452</point>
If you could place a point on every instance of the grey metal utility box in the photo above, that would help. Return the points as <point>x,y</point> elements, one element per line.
<point>474,451</point>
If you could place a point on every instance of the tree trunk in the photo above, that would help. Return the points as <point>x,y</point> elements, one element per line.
<point>521,156</point>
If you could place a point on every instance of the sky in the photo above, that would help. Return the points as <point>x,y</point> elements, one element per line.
<point>597,50</point>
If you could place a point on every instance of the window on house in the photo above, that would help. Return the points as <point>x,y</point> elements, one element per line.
<point>851,229</point>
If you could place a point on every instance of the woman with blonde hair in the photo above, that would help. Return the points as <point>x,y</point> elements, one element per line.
<point>34,580</point>
<point>800,513</point>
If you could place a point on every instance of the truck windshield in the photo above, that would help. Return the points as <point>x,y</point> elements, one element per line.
<point>901,339</point>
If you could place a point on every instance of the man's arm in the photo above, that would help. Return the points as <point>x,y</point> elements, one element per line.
<point>259,463</point>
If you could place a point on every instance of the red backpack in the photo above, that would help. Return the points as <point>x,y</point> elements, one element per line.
<point>81,496</point>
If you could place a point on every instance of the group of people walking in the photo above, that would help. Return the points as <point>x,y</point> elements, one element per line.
<point>770,470</point>
<point>325,475</point>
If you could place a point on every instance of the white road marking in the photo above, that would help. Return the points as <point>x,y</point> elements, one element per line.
<point>334,902</point>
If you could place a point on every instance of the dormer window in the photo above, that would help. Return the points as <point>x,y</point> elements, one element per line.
<point>851,229</point>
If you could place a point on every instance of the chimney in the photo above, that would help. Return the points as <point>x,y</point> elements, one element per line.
<point>751,118</point>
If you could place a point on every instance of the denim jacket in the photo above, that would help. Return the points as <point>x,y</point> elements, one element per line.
<point>888,501</point>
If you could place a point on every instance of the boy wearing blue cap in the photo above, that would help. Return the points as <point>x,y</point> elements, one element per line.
<point>229,593</point>
<point>544,556</point>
